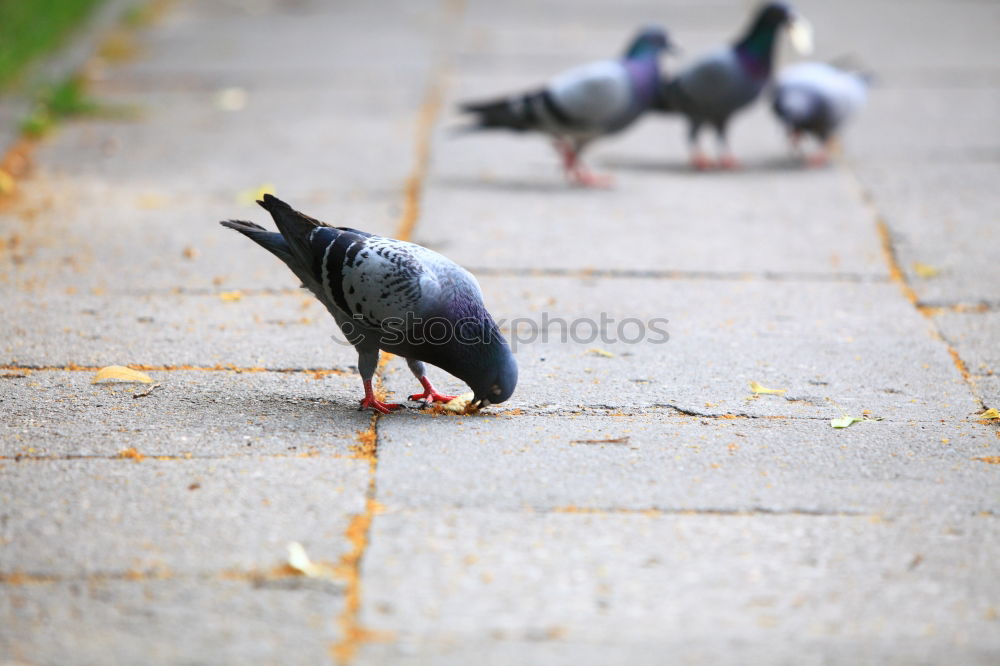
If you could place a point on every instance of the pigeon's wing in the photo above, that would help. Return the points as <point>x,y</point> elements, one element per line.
<point>713,87</point>
<point>806,89</point>
<point>593,96</point>
<point>373,280</point>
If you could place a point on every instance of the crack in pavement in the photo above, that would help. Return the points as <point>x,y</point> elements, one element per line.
<point>867,197</point>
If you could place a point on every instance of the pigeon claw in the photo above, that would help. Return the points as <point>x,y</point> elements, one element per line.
<point>378,405</point>
<point>589,179</point>
<point>818,160</point>
<point>728,162</point>
<point>700,162</point>
<point>431,396</point>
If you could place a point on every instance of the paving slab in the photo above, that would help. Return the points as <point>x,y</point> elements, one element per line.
<point>674,463</point>
<point>190,413</point>
<point>943,217</point>
<point>877,136</point>
<point>656,219</point>
<point>989,389</point>
<point>191,621</point>
<point>80,517</point>
<point>271,330</point>
<point>974,335</point>
<point>682,584</point>
<point>276,43</point>
<point>142,238</point>
<point>834,348</point>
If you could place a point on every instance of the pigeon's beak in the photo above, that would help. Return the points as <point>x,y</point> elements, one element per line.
<point>800,34</point>
<point>672,49</point>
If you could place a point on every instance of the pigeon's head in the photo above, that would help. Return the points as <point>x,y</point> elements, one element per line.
<point>497,383</point>
<point>770,19</point>
<point>650,41</point>
<point>494,380</point>
<point>775,14</point>
<point>483,360</point>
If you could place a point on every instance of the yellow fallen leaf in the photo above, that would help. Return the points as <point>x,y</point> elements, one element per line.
<point>757,389</point>
<point>925,270</point>
<point>596,351</point>
<point>845,421</point>
<point>230,296</point>
<point>231,99</point>
<point>252,196</point>
<point>459,404</point>
<point>150,201</point>
<point>122,373</point>
<point>300,562</point>
<point>6,182</point>
<point>990,413</point>
<point>132,453</point>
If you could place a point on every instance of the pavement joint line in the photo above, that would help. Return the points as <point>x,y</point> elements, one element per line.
<point>257,577</point>
<point>935,308</point>
<point>359,530</point>
<point>653,274</point>
<point>655,511</point>
<point>318,373</point>
<point>898,276</point>
<point>138,457</point>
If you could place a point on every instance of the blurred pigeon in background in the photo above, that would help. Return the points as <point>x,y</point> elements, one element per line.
<point>395,296</point>
<point>724,81</point>
<point>583,103</point>
<point>816,98</point>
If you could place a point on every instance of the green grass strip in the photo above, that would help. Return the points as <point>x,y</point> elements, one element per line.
<point>32,28</point>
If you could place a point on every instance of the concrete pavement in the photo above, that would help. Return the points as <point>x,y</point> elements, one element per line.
<point>632,503</point>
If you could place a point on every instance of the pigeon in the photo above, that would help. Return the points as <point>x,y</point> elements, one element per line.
<point>583,103</point>
<point>393,296</point>
<point>816,98</point>
<point>721,83</point>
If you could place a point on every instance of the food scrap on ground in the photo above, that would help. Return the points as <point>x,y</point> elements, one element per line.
<point>300,563</point>
<point>617,440</point>
<point>120,372</point>
<point>132,453</point>
<point>845,421</point>
<point>461,404</point>
<point>757,389</point>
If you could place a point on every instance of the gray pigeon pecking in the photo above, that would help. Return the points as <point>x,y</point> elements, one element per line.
<point>395,296</point>
<point>816,98</point>
<point>583,103</point>
<point>721,83</point>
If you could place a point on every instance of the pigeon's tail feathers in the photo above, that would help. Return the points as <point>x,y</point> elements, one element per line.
<point>514,113</point>
<point>269,240</point>
<point>295,228</point>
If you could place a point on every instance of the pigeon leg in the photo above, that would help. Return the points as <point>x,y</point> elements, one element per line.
<point>566,154</point>
<point>699,161</point>
<point>795,142</point>
<point>821,157</point>
<point>818,159</point>
<point>429,394</point>
<point>367,362</point>
<point>579,174</point>
<point>726,159</point>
